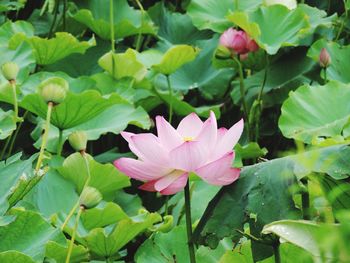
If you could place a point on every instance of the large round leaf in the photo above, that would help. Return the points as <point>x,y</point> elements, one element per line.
<point>15,257</point>
<point>200,73</point>
<point>106,243</point>
<point>123,65</point>
<point>174,58</point>
<point>127,20</point>
<point>104,177</point>
<point>49,51</point>
<point>314,111</point>
<point>210,14</point>
<point>176,28</point>
<point>76,108</point>
<point>28,234</point>
<point>289,26</point>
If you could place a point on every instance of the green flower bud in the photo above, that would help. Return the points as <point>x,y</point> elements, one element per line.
<point>10,70</point>
<point>90,197</point>
<point>222,52</point>
<point>78,140</point>
<point>53,90</point>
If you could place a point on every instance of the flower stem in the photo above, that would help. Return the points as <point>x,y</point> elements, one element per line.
<point>64,14</point>
<point>54,19</point>
<point>305,200</point>
<point>16,134</point>
<point>60,142</point>
<point>111,24</point>
<point>325,75</point>
<point>171,98</point>
<point>276,252</point>
<point>5,146</point>
<point>45,136</point>
<point>15,103</point>
<point>139,35</point>
<point>189,223</point>
<point>242,90</point>
<point>70,248</point>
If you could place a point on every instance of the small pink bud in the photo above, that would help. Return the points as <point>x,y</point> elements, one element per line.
<point>324,59</point>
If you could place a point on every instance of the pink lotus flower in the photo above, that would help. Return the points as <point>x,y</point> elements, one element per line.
<point>164,162</point>
<point>238,41</point>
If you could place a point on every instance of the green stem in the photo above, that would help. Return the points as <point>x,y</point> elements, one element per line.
<point>276,252</point>
<point>70,248</point>
<point>43,9</point>
<point>329,7</point>
<point>325,75</point>
<point>71,213</point>
<point>242,90</point>
<point>45,136</point>
<point>189,223</point>
<point>139,35</point>
<point>54,19</point>
<point>305,200</point>
<point>111,24</point>
<point>14,94</point>
<point>64,14</point>
<point>264,80</point>
<point>5,146</point>
<point>60,142</point>
<point>171,98</point>
<point>16,134</point>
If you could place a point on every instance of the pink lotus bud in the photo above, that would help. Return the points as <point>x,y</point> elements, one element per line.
<point>324,59</point>
<point>238,41</point>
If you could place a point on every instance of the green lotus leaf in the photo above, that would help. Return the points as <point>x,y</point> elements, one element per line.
<point>106,243</point>
<point>104,177</point>
<point>74,110</point>
<point>49,51</point>
<point>58,252</point>
<point>210,14</point>
<point>99,216</point>
<point>15,257</point>
<point>7,123</point>
<point>258,25</point>
<point>176,28</point>
<point>127,21</point>
<point>260,185</point>
<point>175,58</point>
<point>23,56</point>
<point>200,73</point>
<point>107,121</point>
<point>339,68</point>
<point>315,111</point>
<point>13,173</point>
<point>9,29</point>
<point>29,234</point>
<point>123,65</point>
<point>307,235</point>
<point>52,194</point>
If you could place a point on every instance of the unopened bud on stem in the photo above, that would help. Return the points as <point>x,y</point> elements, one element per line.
<point>10,70</point>
<point>90,197</point>
<point>324,59</point>
<point>78,140</point>
<point>53,90</point>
